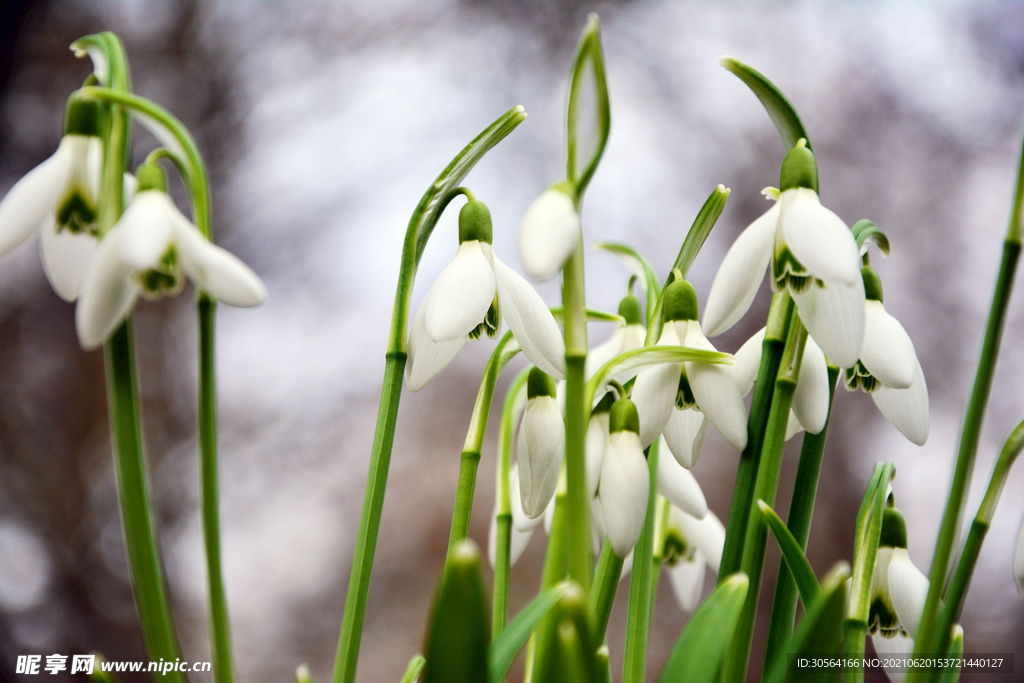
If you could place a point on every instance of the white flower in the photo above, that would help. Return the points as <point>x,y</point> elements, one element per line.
<point>596,440</point>
<point>679,486</point>
<point>471,296</point>
<point>149,251</point>
<point>691,545</point>
<point>811,252</point>
<point>541,444</point>
<point>709,388</point>
<point>549,232</point>
<point>888,368</point>
<point>58,198</point>
<point>625,480</point>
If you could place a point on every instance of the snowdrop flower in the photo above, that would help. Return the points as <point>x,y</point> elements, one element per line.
<point>541,444</point>
<point>58,198</point>
<point>888,368</point>
<point>625,480</point>
<point>708,388</point>
<point>810,400</point>
<point>691,545</point>
<point>148,252</point>
<point>549,232</point>
<point>627,336</point>
<point>811,252</point>
<point>469,298</point>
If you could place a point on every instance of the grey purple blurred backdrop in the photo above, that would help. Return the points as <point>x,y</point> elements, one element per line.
<point>323,123</point>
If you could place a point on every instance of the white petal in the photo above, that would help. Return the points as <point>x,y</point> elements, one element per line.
<point>654,394</point>
<point>680,487</point>
<point>426,357</point>
<point>897,645</point>
<point>597,527</point>
<point>214,270</point>
<point>908,588</point>
<point>810,400</point>
<point>530,321</point>
<point>520,521</point>
<point>906,409</point>
<point>541,447</point>
<point>818,238</point>
<point>107,294</point>
<point>65,257</point>
<point>625,488</point>
<point>597,436</point>
<point>94,167</point>
<point>605,351</point>
<point>747,362</point>
<point>548,234</point>
<point>793,426</point>
<point>32,198</point>
<point>684,435</point>
<point>146,230</point>
<point>834,316</point>
<point>716,391</point>
<point>707,534</point>
<point>1018,560</point>
<point>887,353</point>
<point>461,294</point>
<point>688,581</point>
<point>740,275</point>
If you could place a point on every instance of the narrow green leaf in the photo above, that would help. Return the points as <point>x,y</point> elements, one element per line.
<point>589,115</point>
<point>416,665</point>
<point>651,355</point>
<point>818,634</point>
<point>698,653</point>
<point>951,674</point>
<point>865,231</point>
<point>797,562</point>
<point>457,635</point>
<point>640,265</point>
<point>510,642</point>
<point>780,110</point>
<point>593,315</point>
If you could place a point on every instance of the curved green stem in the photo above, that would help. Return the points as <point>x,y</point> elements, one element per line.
<point>606,584</point>
<point>634,666</point>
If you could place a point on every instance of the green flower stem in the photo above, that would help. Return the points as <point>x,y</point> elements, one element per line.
<point>638,625</point>
<point>606,584</point>
<point>539,649</point>
<point>927,637</point>
<point>475,439</point>
<point>746,473</point>
<point>577,414</point>
<point>865,550</point>
<point>972,546</point>
<point>801,509</point>
<point>503,560</point>
<point>765,487</point>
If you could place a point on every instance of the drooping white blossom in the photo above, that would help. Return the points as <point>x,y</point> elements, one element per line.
<point>625,480</point>
<point>541,444</point>
<point>549,232</point>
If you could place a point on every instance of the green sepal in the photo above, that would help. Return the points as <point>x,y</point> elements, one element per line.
<point>679,302</point>
<point>84,117</point>
<point>151,177</point>
<point>505,648</point>
<point>872,284</point>
<point>629,309</point>
<point>624,417</point>
<point>702,646</point>
<point>572,656</point>
<point>818,635</point>
<point>864,231</point>
<point>894,529</point>
<point>589,112</point>
<point>799,567</point>
<point>799,169</point>
<point>539,384</point>
<point>475,222</point>
<point>458,630</point>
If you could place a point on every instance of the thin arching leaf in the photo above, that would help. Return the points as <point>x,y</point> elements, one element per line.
<point>504,650</point>
<point>589,116</point>
<point>641,265</point>
<point>864,231</point>
<point>799,567</point>
<point>780,109</point>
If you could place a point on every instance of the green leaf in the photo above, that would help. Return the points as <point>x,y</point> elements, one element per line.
<point>457,635</point>
<point>415,667</point>
<point>652,355</point>
<point>593,316</point>
<point>640,265</point>
<point>698,653</point>
<point>510,642</point>
<point>865,231</point>
<point>817,635</point>
<point>436,198</point>
<point>951,674</point>
<point>780,110</point>
<point>589,115</point>
<point>572,656</point>
<point>797,562</point>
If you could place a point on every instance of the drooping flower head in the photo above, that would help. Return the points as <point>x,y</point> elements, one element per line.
<point>691,545</point>
<point>470,298</point>
<point>549,232</point>
<point>541,444</point>
<point>811,252</point>
<point>625,480</point>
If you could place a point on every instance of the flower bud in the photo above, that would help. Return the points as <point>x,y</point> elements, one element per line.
<point>541,444</point>
<point>549,232</point>
<point>625,479</point>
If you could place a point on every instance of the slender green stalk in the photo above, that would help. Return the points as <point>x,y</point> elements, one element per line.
<point>634,666</point>
<point>979,528</point>
<point>757,423</point>
<point>475,439</point>
<point>765,487</point>
<point>555,564</point>
<point>576,419</point>
<point>503,559</point>
<point>606,584</point>
<point>801,509</point>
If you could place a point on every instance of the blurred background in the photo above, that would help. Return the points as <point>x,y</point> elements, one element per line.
<point>322,124</point>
